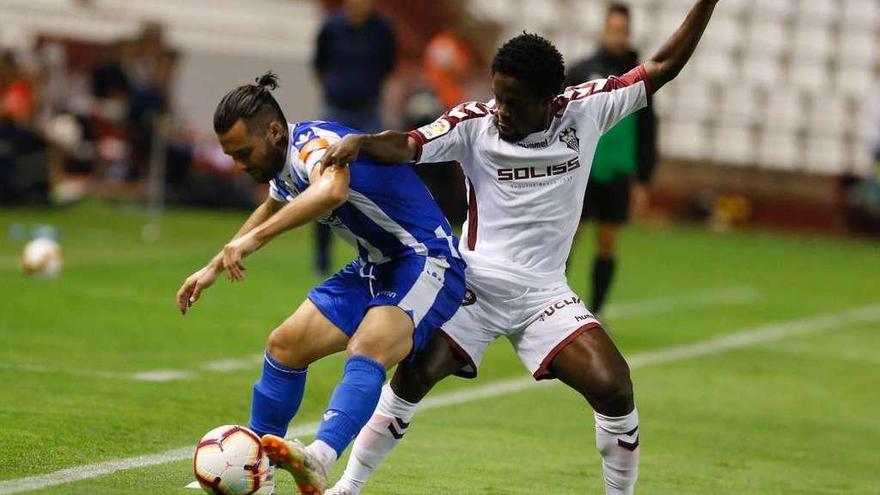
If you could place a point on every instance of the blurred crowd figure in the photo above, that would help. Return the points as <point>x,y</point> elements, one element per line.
<point>861,195</point>
<point>625,157</point>
<point>354,54</point>
<point>81,118</point>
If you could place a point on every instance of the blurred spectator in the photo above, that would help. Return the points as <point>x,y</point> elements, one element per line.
<point>354,55</point>
<point>630,148</point>
<point>449,65</point>
<point>23,152</point>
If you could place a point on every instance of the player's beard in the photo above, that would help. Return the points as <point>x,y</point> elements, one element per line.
<point>274,160</point>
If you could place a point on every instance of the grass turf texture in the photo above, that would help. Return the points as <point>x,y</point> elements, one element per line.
<point>796,416</point>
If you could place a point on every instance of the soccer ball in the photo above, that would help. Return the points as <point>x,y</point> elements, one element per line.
<point>229,460</point>
<point>42,257</point>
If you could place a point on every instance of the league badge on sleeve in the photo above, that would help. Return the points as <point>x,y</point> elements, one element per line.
<point>435,129</point>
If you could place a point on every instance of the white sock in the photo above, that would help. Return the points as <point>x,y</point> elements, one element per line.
<point>375,441</point>
<point>323,453</point>
<point>618,442</point>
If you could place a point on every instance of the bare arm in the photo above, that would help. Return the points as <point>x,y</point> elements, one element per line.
<point>677,50</point>
<point>193,286</point>
<point>262,213</point>
<point>328,190</point>
<point>387,146</point>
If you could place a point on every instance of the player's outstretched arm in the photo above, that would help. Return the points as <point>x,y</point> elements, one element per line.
<point>387,146</point>
<point>665,65</point>
<point>328,190</point>
<point>193,286</point>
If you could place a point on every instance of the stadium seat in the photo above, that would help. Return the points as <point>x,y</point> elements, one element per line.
<point>825,155</point>
<point>829,115</point>
<point>812,42</point>
<point>774,11</point>
<point>783,111</point>
<point>858,47</point>
<point>725,34</point>
<point>739,105</point>
<point>695,100</point>
<point>714,66</point>
<point>734,146</point>
<point>861,13</point>
<point>812,77</point>
<point>821,12</point>
<point>684,139</point>
<point>779,150</point>
<point>768,37</point>
<point>856,81</point>
<point>762,70</point>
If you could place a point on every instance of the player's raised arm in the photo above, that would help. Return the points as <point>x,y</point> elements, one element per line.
<point>387,146</point>
<point>672,56</point>
<point>329,189</point>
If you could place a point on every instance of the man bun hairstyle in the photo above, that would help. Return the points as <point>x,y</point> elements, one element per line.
<point>251,103</point>
<point>534,61</point>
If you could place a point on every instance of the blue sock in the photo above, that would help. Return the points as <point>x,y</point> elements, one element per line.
<point>277,396</point>
<point>352,403</point>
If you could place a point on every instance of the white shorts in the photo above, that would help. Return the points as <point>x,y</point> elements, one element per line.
<point>539,323</point>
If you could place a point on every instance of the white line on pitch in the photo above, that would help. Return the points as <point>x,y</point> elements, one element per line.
<point>744,338</point>
<point>684,302</point>
<point>654,306</point>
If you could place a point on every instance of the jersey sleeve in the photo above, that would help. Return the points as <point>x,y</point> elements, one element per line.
<point>311,145</point>
<point>278,192</point>
<point>605,102</point>
<point>446,139</point>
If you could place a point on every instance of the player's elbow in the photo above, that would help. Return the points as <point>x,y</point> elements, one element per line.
<point>336,196</point>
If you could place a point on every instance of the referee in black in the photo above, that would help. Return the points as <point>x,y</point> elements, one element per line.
<point>625,156</point>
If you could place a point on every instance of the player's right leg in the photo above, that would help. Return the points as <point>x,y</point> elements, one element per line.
<point>397,405</point>
<point>592,365</point>
<point>321,326</point>
<point>457,349</point>
<point>306,336</point>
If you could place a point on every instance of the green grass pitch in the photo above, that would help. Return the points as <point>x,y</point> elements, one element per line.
<point>796,415</point>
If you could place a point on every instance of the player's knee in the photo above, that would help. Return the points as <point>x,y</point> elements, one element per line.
<point>607,247</point>
<point>412,383</point>
<point>288,348</point>
<point>613,392</point>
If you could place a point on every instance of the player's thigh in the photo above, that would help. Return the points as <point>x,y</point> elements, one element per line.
<point>304,337</point>
<point>415,377</point>
<point>592,365</point>
<point>385,335</point>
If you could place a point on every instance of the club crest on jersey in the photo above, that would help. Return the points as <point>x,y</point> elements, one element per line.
<point>570,138</point>
<point>304,138</point>
<point>435,129</point>
<point>469,298</point>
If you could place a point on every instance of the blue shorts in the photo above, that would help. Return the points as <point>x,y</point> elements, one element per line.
<point>430,290</point>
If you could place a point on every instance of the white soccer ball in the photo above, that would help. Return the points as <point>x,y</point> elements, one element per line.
<point>42,257</point>
<point>229,460</point>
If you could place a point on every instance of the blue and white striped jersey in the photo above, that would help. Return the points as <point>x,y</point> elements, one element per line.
<point>389,213</point>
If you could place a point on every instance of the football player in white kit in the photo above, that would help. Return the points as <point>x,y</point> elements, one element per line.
<point>526,155</point>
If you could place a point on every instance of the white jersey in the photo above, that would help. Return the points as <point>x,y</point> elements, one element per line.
<point>525,198</point>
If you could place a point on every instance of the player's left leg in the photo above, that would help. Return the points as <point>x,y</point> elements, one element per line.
<point>603,264</point>
<point>612,203</point>
<point>412,298</point>
<point>382,340</point>
<point>592,365</point>
<point>565,341</point>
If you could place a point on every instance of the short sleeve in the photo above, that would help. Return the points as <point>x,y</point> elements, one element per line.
<point>313,150</point>
<point>278,192</point>
<point>607,101</point>
<point>446,139</point>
